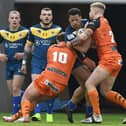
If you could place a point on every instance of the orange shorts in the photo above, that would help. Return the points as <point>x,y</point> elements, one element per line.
<point>112,65</point>
<point>47,87</point>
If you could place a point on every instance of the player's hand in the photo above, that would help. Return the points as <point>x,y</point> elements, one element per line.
<point>24,68</point>
<point>81,36</point>
<point>90,63</point>
<point>18,56</point>
<point>3,57</point>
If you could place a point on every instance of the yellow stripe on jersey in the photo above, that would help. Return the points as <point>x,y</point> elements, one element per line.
<point>45,34</point>
<point>12,37</point>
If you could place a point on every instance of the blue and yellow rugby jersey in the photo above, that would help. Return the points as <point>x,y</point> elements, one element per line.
<point>69,30</point>
<point>41,39</point>
<point>69,36</point>
<point>13,41</point>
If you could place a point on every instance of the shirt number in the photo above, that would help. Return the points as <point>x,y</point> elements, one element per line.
<point>60,57</point>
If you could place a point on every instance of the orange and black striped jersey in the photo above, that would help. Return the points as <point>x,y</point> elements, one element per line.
<point>60,60</point>
<point>104,39</point>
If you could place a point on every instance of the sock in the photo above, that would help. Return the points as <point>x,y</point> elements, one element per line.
<point>89,111</point>
<point>94,100</point>
<point>16,100</point>
<point>38,108</point>
<point>16,104</point>
<point>50,105</point>
<point>26,108</point>
<point>71,106</point>
<point>116,98</point>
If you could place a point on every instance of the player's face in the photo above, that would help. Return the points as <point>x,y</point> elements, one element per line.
<point>92,13</point>
<point>14,19</point>
<point>46,17</point>
<point>75,21</point>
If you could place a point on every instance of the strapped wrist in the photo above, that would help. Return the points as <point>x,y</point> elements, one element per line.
<point>23,62</point>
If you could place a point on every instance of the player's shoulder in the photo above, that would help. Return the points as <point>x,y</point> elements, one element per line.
<point>51,48</point>
<point>69,29</point>
<point>84,21</point>
<point>35,26</point>
<point>57,27</point>
<point>23,28</point>
<point>103,19</point>
<point>1,31</point>
<point>6,28</point>
<point>60,44</point>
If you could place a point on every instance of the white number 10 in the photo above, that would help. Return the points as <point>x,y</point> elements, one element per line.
<point>60,57</point>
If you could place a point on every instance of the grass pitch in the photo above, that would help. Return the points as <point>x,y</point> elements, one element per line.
<point>110,119</point>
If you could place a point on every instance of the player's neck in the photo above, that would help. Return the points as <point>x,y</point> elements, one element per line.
<point>13,28</point>
<point>46,25</point>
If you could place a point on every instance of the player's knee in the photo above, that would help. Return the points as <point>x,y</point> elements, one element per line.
<point>16,90</point>
<point>83,88</point>
<point>88,85</point>
<point>104,91</point>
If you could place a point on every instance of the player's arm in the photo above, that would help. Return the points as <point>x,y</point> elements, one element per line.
<point>28,47</point>
<point>27,55</point>
<point>27,52</point>
<point>3,57</point>
<point>82,46</point>
<point>87,32</point>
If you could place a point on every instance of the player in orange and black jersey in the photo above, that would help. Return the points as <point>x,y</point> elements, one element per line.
<point>51,82</point>
<point>110,60</point>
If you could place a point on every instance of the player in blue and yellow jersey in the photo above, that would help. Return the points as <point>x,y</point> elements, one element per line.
<point>14,38</point>
<point>76,22</point>
<point>40,38</point>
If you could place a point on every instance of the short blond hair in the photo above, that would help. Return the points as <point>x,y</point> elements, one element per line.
<point>14,12</point>
<point>98,5</point>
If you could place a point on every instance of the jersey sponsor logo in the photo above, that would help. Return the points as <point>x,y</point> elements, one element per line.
<point>12,37</point>
<point>71,37</point>
<point>45,34</point>
<point>51,86</point>
<point>42,42</point>
<point>57,71</point>
<point>13,45</point>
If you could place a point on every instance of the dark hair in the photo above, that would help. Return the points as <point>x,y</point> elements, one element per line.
<point>61,37</point>
<point>74,11</point>
<point>47,9</point>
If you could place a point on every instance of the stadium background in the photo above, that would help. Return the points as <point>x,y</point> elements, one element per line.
<point>30,15</point>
